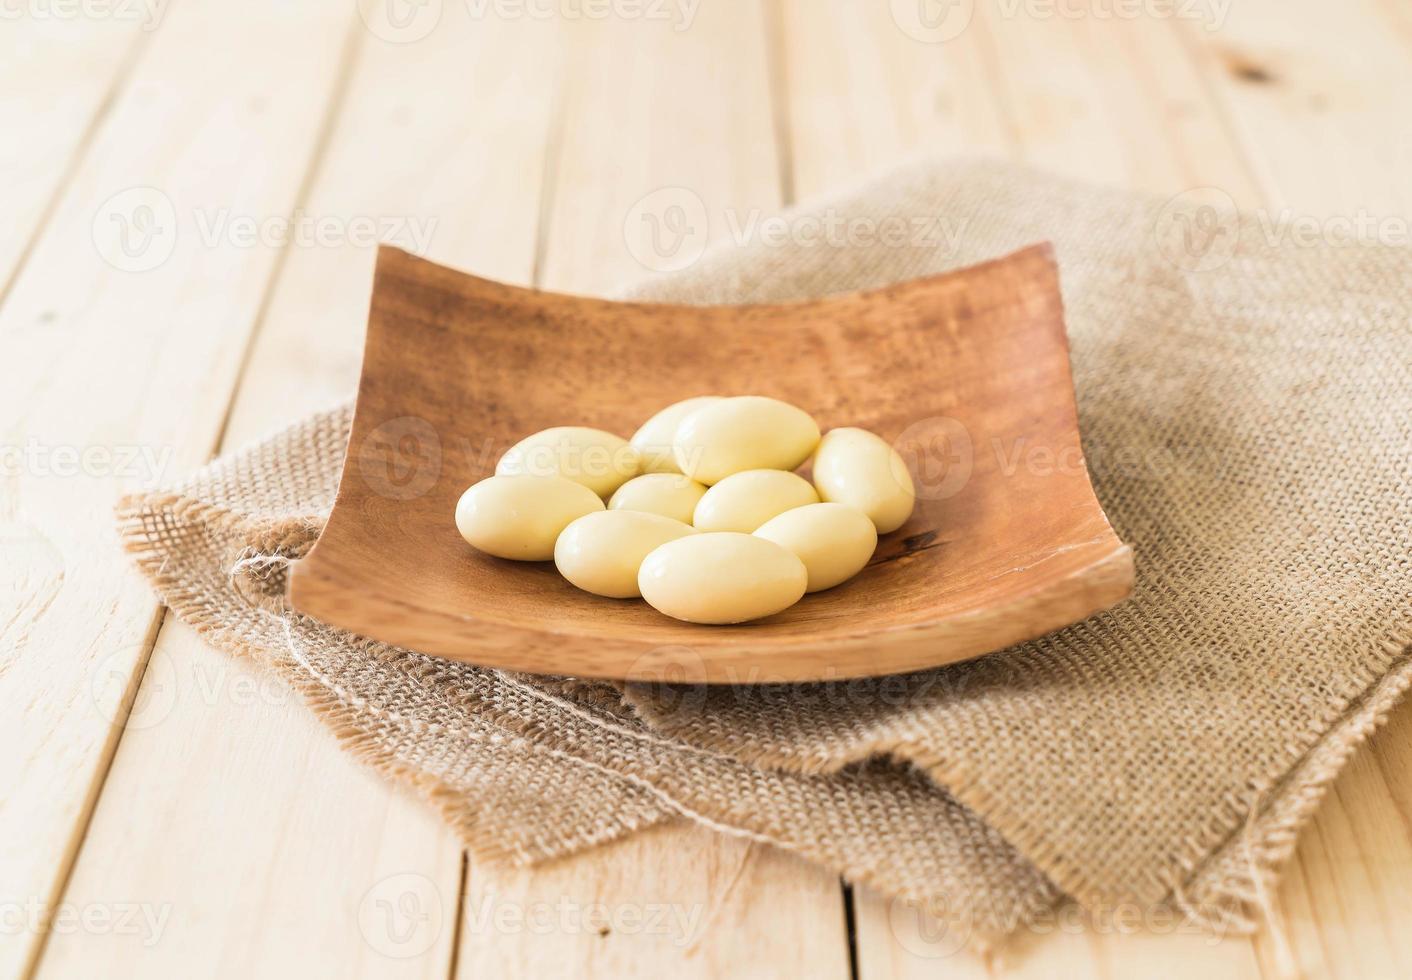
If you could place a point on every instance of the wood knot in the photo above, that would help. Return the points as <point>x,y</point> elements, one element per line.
<point>1247,69</point>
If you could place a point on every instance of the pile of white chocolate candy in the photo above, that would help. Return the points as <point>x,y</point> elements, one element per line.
<point>705,518</point>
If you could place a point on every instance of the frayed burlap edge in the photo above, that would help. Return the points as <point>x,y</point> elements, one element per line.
<point>289,540</point>
<point>1231,887</point>
<point>1230,890</point>
<point>1241,874</point>
<point>1224,879</point>
<point>276,543</point>
<point>1234,860</point>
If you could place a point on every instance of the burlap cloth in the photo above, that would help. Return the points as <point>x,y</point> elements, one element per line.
<point>1246,406</point>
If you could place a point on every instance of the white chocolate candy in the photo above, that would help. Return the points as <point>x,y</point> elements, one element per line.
<point>721,577</point>
<point>520,517</point>
<point>857,468</point>
<point>653,441</point>
<point>602,552</point>
<point>749,432</point>
<point>834,541</point>
<point>669,494</point>
<point>744,501</point>
<point>599,460</point>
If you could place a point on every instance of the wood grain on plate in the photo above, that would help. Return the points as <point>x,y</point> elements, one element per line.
<point>746,119</point>
<point>958,370</point>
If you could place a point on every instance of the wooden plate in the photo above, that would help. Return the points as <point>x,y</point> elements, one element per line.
<point>967,373</point>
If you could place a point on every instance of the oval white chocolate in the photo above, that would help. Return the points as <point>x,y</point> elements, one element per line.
<point>749,432</point>
<point>854,467</point>
<point>654,440</point>
<point>834,541</point>
<point>599,460</point>
<point>602,552</point>
<point>721,577</point>
<point>744,501</point>
<point>669,494</point>
<point>520,517</point>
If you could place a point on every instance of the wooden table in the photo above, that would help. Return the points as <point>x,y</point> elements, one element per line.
<point>164,810</point>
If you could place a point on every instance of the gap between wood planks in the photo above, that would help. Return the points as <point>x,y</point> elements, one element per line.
<point>777,73</point>
<point>571,168</point>
<point>161,614</point>
<point>136,47</point>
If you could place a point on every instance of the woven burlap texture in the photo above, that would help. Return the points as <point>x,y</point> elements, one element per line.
<point>1246,407</point>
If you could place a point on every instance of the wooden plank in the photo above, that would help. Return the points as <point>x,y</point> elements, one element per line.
<point>322,868</point>
<point>1325,126</point>
<point>1353,850</point>
<point>696,135</point>
<point>623,166</point>
<point>1323,122</point>
<point>233,835</point>
<point>897,941</point>
<point>1345,897</point>
<point>674,901</point>
<point>1115,100</point>
<point>113,376</point>
<point>1119,101</point>
<point>861,93</point>
<point>78,63</point>
<point>1131,109</point>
